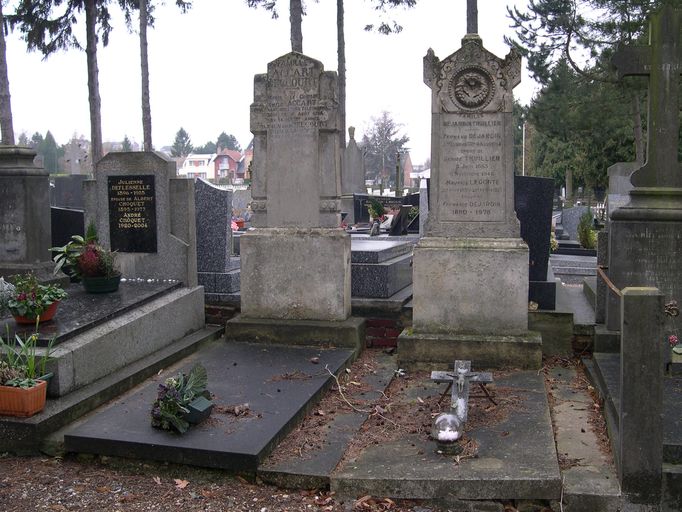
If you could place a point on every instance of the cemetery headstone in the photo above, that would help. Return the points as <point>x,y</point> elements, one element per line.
<point>216,271</point>
<point>296,264</point>
<point>619,185</point>
<point>533,205</point>
<point>353,176</point>
<point>25,232</point>
<point>143,211</point>
<point>471,268</point>
<point>645,235</point>
<point>570,218</point>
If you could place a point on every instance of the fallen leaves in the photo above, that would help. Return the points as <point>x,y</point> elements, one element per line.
<point>180,484</point>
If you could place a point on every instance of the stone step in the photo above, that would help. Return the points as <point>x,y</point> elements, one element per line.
<point>26,434</point>
<point>605,340</point>
<point>590,290</point>
<point>313,470</point>
<point>279,384</point>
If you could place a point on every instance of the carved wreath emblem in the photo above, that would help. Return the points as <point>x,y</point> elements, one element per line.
<point>471,88</point>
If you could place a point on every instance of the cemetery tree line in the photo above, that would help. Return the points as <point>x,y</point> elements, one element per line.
<point>182,145</point>
<point>585,119</point>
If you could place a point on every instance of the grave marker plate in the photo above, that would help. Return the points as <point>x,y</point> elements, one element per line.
<point>132,213</point>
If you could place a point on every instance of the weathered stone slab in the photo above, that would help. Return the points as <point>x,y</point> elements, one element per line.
<point>456,282</point>
<point>296,274</point>
<point>428,351</point>
<point>504,469</point>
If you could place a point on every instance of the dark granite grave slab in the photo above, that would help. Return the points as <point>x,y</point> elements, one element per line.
<point>381,280</point>
<point>366,250</point>
<point>278,383</point>
<point>505,467</point>
<point>605,372</point>
<point>81,311</point>
<point>68,191</point>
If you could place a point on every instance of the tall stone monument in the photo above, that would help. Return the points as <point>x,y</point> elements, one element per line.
<point>471,268</point>
<point>645,237</point>
<point>25,232</point>
<point>295,266</point>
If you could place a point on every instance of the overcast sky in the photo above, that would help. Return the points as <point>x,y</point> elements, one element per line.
<point>202,65</point>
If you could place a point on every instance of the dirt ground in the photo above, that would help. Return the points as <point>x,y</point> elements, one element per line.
<point>106,484</point>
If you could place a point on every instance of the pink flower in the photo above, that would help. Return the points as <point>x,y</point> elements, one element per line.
<point>673,340</point>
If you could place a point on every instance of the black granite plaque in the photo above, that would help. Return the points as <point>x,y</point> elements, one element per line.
<point>132,213</point>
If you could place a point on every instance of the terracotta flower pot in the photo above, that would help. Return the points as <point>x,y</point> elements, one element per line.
<point>44,317</point>
<point>23,402</point>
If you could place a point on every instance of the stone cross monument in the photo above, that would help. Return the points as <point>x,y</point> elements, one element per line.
<point>645,237</point>
<point>295,266</point>
<point>470,270</point>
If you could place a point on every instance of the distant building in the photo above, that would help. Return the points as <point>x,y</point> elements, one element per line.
<point>198,165</point>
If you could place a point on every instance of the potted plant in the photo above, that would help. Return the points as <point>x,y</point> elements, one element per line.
<point>97,268</point>
<point>31,302</point>
<point>23,384</point>
<point>66,257</point>
<point>182,400</point>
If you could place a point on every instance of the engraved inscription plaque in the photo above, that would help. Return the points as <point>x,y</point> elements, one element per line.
<point>132,213</point>
<point>471,179</point>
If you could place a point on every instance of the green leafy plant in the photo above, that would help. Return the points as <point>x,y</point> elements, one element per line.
<point>553,242</point>
<point>66,257</point>
<point>30,298</point>
<point>375,208</point>
<point>174,397</point>
<point>586,235</point>
<point>20,363</point>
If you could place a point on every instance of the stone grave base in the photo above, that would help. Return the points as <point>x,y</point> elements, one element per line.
<point>419,351</point>
<point>470,285</point>
<point>278,383</point>
<point>298,274</point>
<point>516,459</point>
<point>108,346</point>
<point>348,333</point>
<point>93,335</point>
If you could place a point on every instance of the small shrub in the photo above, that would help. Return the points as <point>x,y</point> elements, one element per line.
<point>586,235</point>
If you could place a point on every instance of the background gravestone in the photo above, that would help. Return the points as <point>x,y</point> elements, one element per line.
<point>470,284</point>
<point>216,271</point>
<point>533,199</point>
<point>24,214</point>
<point>352,176</point>
<point>296,264</point>
<point>145,213</point>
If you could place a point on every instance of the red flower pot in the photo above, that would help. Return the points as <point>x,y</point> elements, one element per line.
<point>44,317</point>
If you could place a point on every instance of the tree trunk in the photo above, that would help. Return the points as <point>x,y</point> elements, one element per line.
<point>6,125</point>
<point>296,18</point>
<point>144,63</point>
<point>93,82</point>
<point>637,129</point>
<point>341,52</point>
